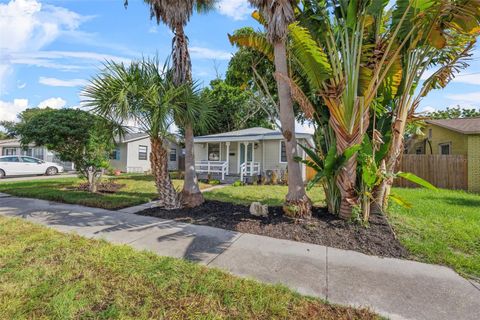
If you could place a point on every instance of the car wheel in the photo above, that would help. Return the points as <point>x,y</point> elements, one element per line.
<point>2,174</point>
<point>51,171</point>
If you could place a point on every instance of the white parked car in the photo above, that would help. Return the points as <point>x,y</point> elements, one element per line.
<point>23,165</point>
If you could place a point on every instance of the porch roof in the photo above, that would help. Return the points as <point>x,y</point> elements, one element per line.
<point>251,134</point>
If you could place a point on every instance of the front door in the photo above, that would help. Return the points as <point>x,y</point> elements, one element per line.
<point>245,156</point>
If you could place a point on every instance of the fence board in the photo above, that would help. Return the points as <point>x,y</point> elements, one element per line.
<point>443,171</point>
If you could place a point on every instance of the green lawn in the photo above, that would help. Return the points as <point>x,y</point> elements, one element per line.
<point>271,195</point>
<point>442,227</point>
<point>138,189</point>
<point>48,275</point>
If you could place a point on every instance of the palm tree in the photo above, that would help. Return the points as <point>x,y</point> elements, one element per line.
<point>176,14</point>
<point>141,92</point>
<point>278,15</point>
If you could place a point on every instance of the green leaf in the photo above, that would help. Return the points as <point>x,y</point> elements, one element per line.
<point>399,200</point>
<point>416,179</point>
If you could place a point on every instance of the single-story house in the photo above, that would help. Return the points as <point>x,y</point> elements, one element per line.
<point>132,154</point>
<point>249,152</point>
<point>13,147</point>
<point>451,137</point>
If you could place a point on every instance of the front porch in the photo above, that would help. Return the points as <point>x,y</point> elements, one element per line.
<point>229,160</point>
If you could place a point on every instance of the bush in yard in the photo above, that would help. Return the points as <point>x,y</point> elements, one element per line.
<point>76,136</point>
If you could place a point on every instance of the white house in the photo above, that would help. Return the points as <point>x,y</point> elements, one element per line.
<point>13,147</point>
<point>132,154</point>
<point>248,152</point>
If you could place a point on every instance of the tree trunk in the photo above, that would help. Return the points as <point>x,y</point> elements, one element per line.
<point>159,163</point>
<point>347,176</point>
<point>392,160</point>
<point>191,194</point>
<point>297,203</point>
<point>346,185</point>
<point>92,182</point>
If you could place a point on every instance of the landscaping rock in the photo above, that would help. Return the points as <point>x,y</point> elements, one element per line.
<point>258,209</point>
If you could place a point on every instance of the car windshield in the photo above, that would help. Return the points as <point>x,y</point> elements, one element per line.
<point>30,160</point>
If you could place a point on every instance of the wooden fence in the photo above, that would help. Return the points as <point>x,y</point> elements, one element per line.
<point>443,171</point>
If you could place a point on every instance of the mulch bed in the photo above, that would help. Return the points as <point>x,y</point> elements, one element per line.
<point>323,229</point>
<point>103,187</point>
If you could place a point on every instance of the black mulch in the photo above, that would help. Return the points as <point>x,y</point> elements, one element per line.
<point>324,228</point>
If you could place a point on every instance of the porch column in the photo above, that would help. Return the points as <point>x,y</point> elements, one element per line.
<point>253,159</point>
<point>228,155</point>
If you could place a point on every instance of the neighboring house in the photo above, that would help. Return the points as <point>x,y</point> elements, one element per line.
<point>132,154</point>
<point>242,153</point>
<point>13,147</point>
<point>452,137</point>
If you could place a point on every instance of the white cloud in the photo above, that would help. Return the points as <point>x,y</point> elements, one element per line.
<point>28,25</point>
<point>235,9</point>
<point>468,79</point>
<point>54,82</point>
<point>153,29</point>
<point>206,53</point>
<point>21,85</point>
<point>9,110</point>
<point>427,109</point>
<point>54,103</point>
<point>465,98</point>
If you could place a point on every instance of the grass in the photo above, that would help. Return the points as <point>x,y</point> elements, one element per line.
<point>138,189</point>
<point>48,275</point>
<point>442,227</point>
<point>271,195</point>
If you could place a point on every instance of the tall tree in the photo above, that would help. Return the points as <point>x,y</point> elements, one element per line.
<point>76,136</point>
<point>176,14</point>
<point>12,127</point>
<point>236,108</point>
<point>279,14</point>
<point>454,113</point>
<point>141,92</point>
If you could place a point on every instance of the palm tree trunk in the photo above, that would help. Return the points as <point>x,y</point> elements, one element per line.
<point>392,160</point>
<point>168,197</point>
<point>191,194</point>
<point>297,202</point>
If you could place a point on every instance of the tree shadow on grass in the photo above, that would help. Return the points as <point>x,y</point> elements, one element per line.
<point>165,237</point>
<point>458,201</point>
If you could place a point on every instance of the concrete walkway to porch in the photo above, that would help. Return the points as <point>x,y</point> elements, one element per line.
<point>398,289</point>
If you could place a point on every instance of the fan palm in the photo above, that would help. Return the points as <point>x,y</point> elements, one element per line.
<point>278,15</point>
<point>143,94</point>
<point>176,14</point>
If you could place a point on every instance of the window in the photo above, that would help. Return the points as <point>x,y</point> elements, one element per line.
<point>213,151</point>
<point>173,154</point>
<point>429,134</point>
<point>115,155</point>
<point>419,150</point>
<point>142,152</point>
<point>445,148</point>
<point>9,151</point>
<point>9,159</point>
<point>29,160</point>
<point>283,152</point>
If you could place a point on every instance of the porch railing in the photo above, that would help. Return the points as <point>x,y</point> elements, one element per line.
<point>212,167</point>
<point>249,169</point>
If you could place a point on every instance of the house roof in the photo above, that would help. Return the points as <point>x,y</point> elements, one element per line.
<point>133,136</point>
<point>13,143</point>
<point>249,134</point>
<point>463,125</point>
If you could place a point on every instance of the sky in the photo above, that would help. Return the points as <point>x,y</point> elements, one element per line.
<point>50,49</point>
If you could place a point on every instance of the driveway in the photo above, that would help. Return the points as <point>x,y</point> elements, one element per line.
<point>398,289</point>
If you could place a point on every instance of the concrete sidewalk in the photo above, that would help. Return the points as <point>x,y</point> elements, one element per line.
<point>398,289</point>
<point>36,177</point>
